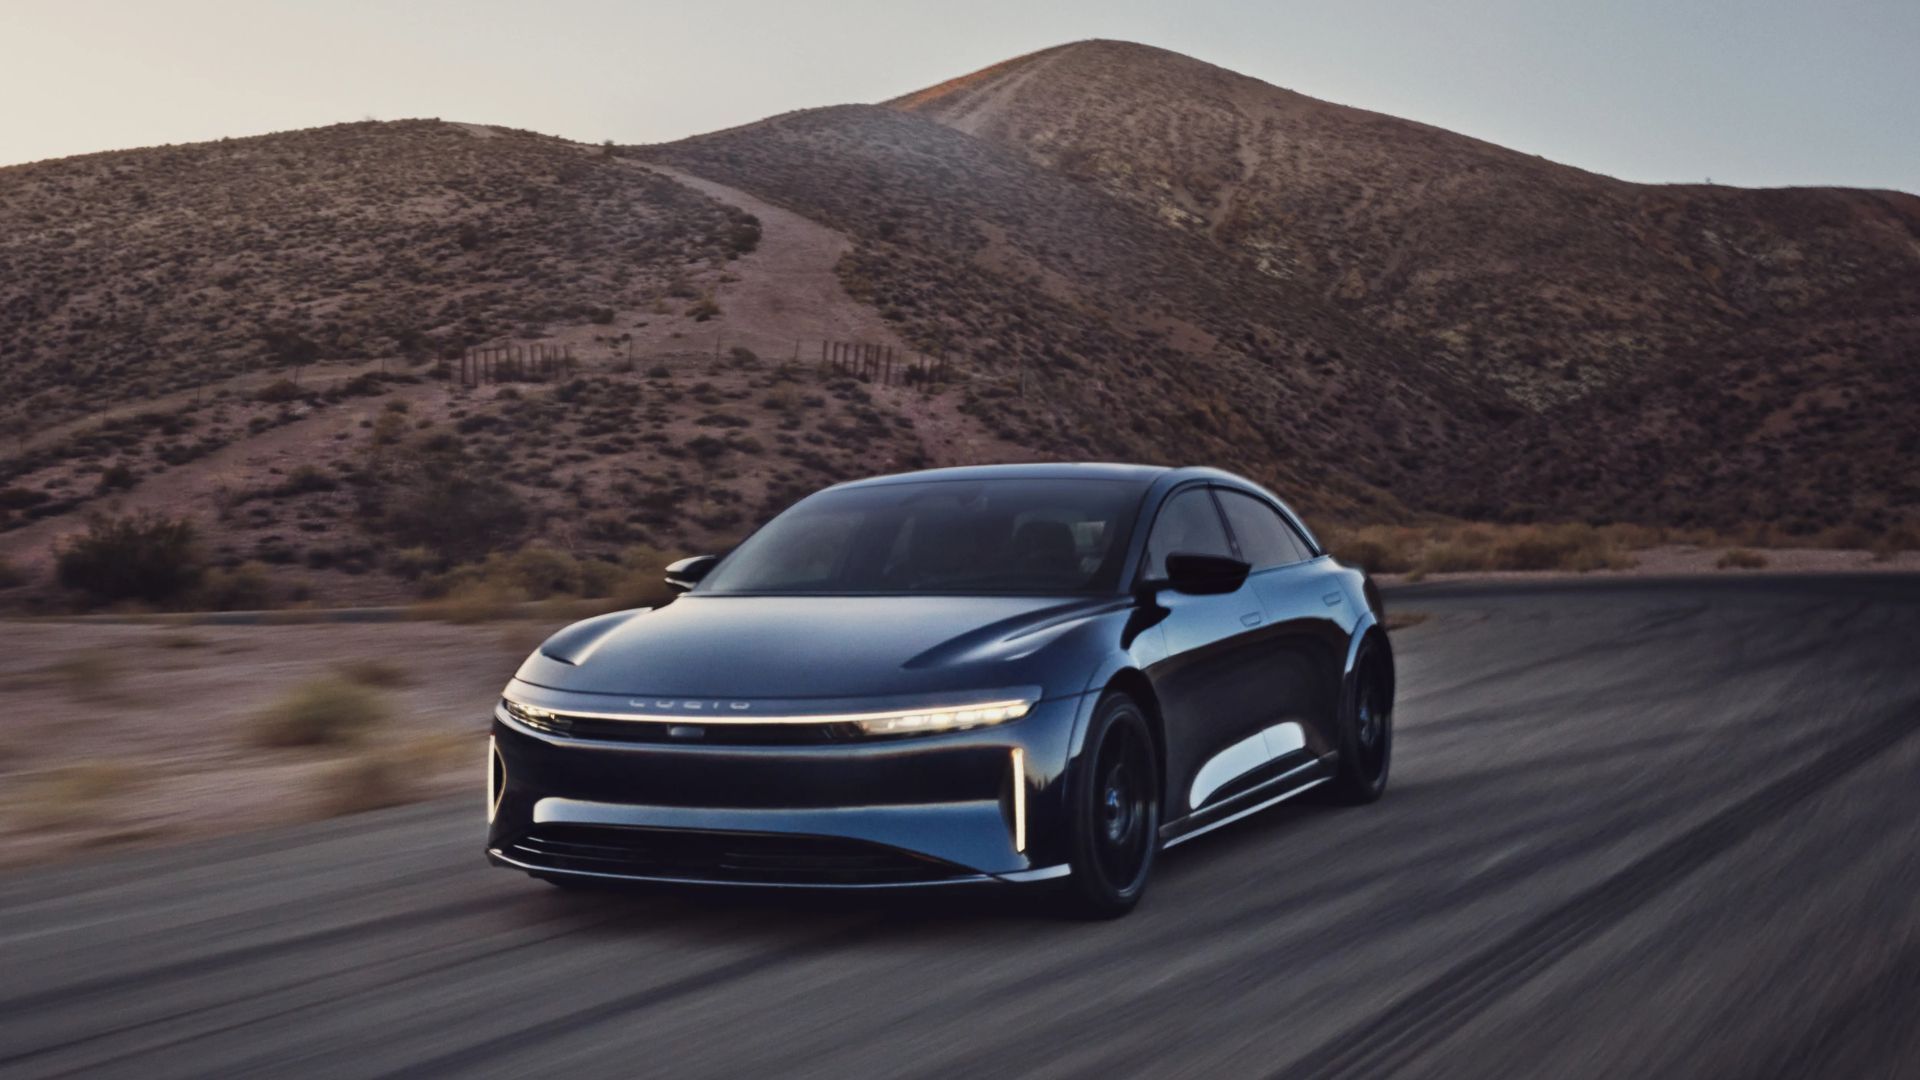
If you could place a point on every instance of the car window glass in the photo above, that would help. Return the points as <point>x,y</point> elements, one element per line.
<point>1011,535</point>
<point>1188,525</point>
<point>1266,540</point>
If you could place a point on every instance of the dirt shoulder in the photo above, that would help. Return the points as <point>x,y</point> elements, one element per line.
<point>115,735</point>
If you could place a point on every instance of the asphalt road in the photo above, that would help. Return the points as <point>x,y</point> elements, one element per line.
<point>1655,829</point>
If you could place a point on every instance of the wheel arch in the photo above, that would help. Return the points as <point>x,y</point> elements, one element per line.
<point>1135,684</point>
<point>1370,631</point>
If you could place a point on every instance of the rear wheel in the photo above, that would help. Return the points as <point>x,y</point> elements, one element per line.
<point>1115,812</point>
<point>1366,727</point>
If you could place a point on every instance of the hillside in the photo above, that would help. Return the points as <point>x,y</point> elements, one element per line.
<point>1669,353</point>
<point>1118,252</point>
<point>128,275</point>
<point>1545,280</point>
<point>265,335</point>
<point>1090,330</point>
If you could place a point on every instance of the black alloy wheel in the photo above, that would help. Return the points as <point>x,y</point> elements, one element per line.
<point>1366,728</point>
<point>1116,812</point>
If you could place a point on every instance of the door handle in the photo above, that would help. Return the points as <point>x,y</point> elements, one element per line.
<point>1251,618</point>
<point>1331,599</point>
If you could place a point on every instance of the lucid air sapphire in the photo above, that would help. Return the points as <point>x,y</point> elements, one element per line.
<point>1020,674</point>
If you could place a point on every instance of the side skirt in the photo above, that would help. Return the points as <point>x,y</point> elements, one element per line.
<point>1294,781</point>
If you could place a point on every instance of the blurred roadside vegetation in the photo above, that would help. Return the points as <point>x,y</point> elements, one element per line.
<point>155,562</point>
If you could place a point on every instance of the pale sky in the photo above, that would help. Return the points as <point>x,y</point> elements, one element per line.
<point>1760,92</point>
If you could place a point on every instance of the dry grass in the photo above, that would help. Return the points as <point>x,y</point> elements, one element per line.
<point>1740,559</point>
<point>326,711</point>
<point>506,585</point>
<point>1473,548</point>
<point>374,674</point>
<point>392,774</point>
<point>369,779</point>
<point>77,793</point>
<point>1403,620</point>
<point>91,676</point>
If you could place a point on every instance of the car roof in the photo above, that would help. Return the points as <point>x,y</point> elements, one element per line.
<point>1034,471</point>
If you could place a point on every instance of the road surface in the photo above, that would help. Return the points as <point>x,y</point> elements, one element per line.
<point>1635,829</point>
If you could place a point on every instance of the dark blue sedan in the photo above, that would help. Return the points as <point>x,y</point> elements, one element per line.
<point>1008,674</point>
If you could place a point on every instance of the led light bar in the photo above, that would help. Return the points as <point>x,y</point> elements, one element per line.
<point>1019,799</point>
<point>496,778</point>
<point>888,722</point>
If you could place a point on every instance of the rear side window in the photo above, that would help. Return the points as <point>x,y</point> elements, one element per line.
<point>1266,540</point>
<point>1188,525</point>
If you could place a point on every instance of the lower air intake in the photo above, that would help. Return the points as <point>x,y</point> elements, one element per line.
<point>698,855</point>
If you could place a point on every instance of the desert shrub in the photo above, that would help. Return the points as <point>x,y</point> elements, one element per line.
<point>1458,556</point>
<point>11,575</point>
<point>539,572</point>
<point>378,674</point>
<point>472,600</point>
<point>1740,559</point>
<point>89,675</point>
<point>703,309</point>
<point>1562,547</point>
<point>371,779</point>
<point>306,480</point>
<point>532,573</point>
<point>745,235</point>
<point>327,711</point>
<point>451,509</point>
<point>117,477</point>
<point>1885,546</point>
<point>744,357</point>
<point>1375,549</point>
<point>72,794</point>
<point>147,556</point>
<point>246,587</point>
<point>1848,538</point>
<point>288,347</point>
<point>641,579</point>
<point>414,563</point>
<point>279,392</point>
<point>20,498</point>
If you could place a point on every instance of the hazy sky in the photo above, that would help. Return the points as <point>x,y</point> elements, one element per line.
<point>1756,92</point>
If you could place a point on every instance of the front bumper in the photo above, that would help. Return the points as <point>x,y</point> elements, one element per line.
<point>967,807</point>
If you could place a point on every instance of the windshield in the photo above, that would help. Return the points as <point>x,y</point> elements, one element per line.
<point>941,536</point>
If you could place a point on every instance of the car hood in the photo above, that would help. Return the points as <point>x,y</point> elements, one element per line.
<point>789,647</point>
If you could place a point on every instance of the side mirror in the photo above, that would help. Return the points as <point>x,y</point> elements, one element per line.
<point>686,573</point>
<point>1204,575</point>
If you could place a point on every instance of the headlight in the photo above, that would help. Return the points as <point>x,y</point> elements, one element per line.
<point>535,717</point>
<point>958,718</point>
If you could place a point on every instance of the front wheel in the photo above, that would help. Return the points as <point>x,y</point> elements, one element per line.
<point>1366,727</point>
<point>1114,813</point>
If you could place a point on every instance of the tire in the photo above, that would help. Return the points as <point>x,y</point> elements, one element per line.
<point>1366,728</point>
<point>1114,813</point>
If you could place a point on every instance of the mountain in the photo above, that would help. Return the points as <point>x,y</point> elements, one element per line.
<point>1091,330</point>
<point>1115,251</point>
<point>1669,352</point>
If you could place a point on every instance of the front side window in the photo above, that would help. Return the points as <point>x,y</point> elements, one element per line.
<point>986,537</point>
<point>1188,525</point>
<point>1265,539</point>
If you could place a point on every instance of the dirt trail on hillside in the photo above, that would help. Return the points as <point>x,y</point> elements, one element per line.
<point>788,291</point>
